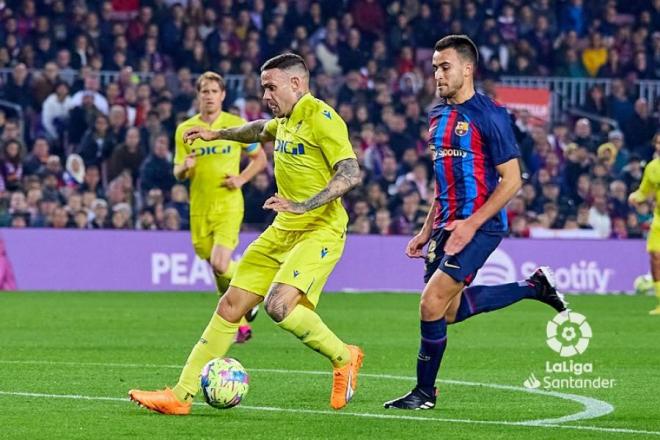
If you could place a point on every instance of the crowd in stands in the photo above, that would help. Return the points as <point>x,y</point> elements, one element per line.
<point>92,150</point>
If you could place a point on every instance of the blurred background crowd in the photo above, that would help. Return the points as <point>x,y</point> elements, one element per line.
<point>91,93</point>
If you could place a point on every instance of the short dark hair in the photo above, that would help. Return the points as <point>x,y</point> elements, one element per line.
<point>285,61</point>
<point>461,44</point>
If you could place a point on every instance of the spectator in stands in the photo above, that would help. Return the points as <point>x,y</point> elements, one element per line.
<point>613,153</point>
<point>583,217</point>
<point>596,105</point>
<point>91,87</point>
<point>383,222</point>
<point>126,156</point>
<point>156,171</point>
<point>84,116</point>
<point>43,83</point>
<point>171,220</point>
<point>55,111</point>
<point>11,165</point>
<point>369,17</point>
<point>120,216</point>
<point>361,225</point>
<point>619,106</point>
<point>595,54</point>
<point>571,66</point>
<point>74,176</point>
<point>80,219</point>
<point>181,203</point>
<point>406,221</point>
<point>599,218</point>
<point>618,202</point>
<point>375,84</point>
<point>11,131</point>
<point>255,194</point>
<point>117,123</point>
<point>613,68</point>
<point>640,130</point>
<point>17,89</point>
<point>632,173</point>
<point>146,220</point>
<point>97,144</point>
<point>92,181</point>
<point>584,137</point>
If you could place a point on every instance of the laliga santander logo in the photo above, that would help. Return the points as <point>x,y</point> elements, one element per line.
<point>568,333</point>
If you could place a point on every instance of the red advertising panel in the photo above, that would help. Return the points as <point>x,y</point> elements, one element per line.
<point>534,101</point>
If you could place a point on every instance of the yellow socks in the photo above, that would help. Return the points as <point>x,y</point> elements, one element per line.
<point>215,341</point>
<point>222,280</point>
<point>308,327</point>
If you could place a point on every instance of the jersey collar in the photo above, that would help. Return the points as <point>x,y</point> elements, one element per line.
<point>199,118</point>
<point>298,107</point>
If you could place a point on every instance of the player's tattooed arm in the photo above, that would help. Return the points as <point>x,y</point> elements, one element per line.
<point>346,177</point>
<point>254,131</point>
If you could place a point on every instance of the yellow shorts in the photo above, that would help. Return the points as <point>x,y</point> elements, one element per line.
<point>209,230</point>
<point>653,240</point>
<point>303,259</point>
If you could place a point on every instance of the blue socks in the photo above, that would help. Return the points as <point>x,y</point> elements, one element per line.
<point>479,299</point>
<point>474,300</point>
<point>432,347</point>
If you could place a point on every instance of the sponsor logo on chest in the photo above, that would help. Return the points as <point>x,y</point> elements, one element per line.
<point>209,150</point>
<point>287,147</point>
<point>440,153</point>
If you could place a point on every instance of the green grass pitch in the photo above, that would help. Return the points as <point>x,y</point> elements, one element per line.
<point>67,361</point>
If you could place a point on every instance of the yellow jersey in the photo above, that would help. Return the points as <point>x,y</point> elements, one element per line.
<point>650,185</point>
<point>308,144</point>
<point>214,161</point>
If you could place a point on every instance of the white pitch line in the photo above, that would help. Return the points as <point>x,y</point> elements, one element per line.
<point>353,414</point>
<point>593,408</point>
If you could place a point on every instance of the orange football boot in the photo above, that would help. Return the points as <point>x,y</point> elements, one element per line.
<point>344,379</point>
<point>162,401</point>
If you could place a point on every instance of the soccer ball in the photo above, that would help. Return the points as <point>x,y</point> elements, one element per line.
<point>643,285</point>
<point>224,383</point>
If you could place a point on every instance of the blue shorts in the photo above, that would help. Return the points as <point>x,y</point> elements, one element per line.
<point>463,266</point>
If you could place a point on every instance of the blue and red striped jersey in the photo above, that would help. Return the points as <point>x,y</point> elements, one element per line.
<point>468,141</point>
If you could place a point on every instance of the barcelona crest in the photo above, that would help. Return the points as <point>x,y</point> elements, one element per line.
<point>461,128</point>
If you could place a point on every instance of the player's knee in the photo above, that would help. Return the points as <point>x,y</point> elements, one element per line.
<point>431,308</point>
<point>228,310</point>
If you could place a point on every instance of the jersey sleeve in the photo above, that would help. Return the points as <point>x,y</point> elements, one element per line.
<point>500,138</point>
<point>331,135</point>
<point>181,149</point>
<point>271,127</point>
<point>646,188</point>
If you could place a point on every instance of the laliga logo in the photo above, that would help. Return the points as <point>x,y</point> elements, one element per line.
<point>568,334</point>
